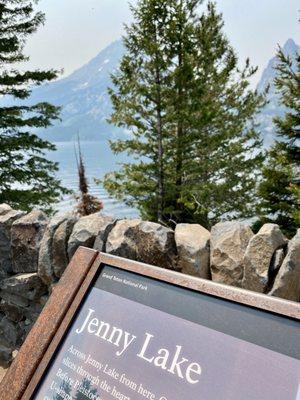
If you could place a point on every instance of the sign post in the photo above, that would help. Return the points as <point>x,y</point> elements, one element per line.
<point>119,329</point>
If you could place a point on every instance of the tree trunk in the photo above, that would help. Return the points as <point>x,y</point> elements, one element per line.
<point>180,131</point>
<point>160,150</point>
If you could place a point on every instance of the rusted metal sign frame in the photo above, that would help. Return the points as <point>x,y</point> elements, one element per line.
<point>33,350</point>
<point>37,351</point>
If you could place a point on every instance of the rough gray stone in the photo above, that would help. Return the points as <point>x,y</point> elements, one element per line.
<point>287,282</point>
<point>6,221</point>
<point>228,244</point>
<point>193,243</point>
<point>26,235</point>
<point>43,300</point>
<point>32,312</point>
<point>143,241</point>
<point>86,230</point>
<point>26,327</point>
<point>6,356</point>
<point>120,241</point>
<point>45,264</point>
<point>29,286</point>
<point>10,333</point>
<point>17,313</point>
<point>4,208</point>
<point>258,256</point>
<point>14,299</point>
<point>156,245</point>
<point>100,241</point>
<point>12,312</point>
<point>61,236</point>
<point>277,261</point>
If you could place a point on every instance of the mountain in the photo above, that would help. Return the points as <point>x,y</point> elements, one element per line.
<point>273,108</point>
<point>83,97</point>
<point>86,104</point>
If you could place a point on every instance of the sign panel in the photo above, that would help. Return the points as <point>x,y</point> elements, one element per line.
<point>134,338</point>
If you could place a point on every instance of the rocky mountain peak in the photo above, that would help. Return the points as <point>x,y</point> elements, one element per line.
<point>86,104</point>
<point>274,107</point>
<point>290,47</point>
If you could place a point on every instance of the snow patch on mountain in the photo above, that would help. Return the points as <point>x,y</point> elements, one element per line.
<point>84,99</point>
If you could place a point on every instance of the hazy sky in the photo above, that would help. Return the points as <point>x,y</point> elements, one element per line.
<point>76,30</point>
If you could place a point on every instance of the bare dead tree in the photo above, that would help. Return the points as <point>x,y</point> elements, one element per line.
<point>87,203</point>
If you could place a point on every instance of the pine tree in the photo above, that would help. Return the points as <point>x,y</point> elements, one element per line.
<point>191,117</point>
<point>287,83</point>
<point>220,147</point>
<point>27,178</point>
<point>139,101</point>
<point>280,187</point>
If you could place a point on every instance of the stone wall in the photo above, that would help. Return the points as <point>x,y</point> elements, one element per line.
<point>34,251</point>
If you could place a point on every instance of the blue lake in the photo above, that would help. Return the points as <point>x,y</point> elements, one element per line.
<point>98,160</point>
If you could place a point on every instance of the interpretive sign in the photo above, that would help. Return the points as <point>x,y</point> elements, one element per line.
<point>136,332</point>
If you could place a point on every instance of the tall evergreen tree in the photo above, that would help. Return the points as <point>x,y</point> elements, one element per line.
<point>220,145</point>
<point>190,113</point>
<point>27,178</point>
<point>139,101</point>
<point>280,187</point>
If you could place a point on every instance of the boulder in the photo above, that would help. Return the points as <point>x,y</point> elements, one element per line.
<point>228,244</point>
<point>26,235</point>
<point>45,264</point>
<point>120,241</point>
<point>193,247</point>
<point>14,299</point>
<point>156,245</point>
<point>43,299</point>
<point>61,237</point>
<point>143,241</point>
<point>10,333</point>
<point>86,230</point>
<point>100,241</point>
<point>26,327</point>
<point>29,286</point>
<point>258,257</point>
<point>276,261</point>
<point>287,282</point>
<point>4,208</point>
<point>6,221</point>
<point>5,356</point>
<point>12,311</point>
<point>17,313</point>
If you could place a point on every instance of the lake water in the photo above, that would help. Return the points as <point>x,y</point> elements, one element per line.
<point>98,160</point>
